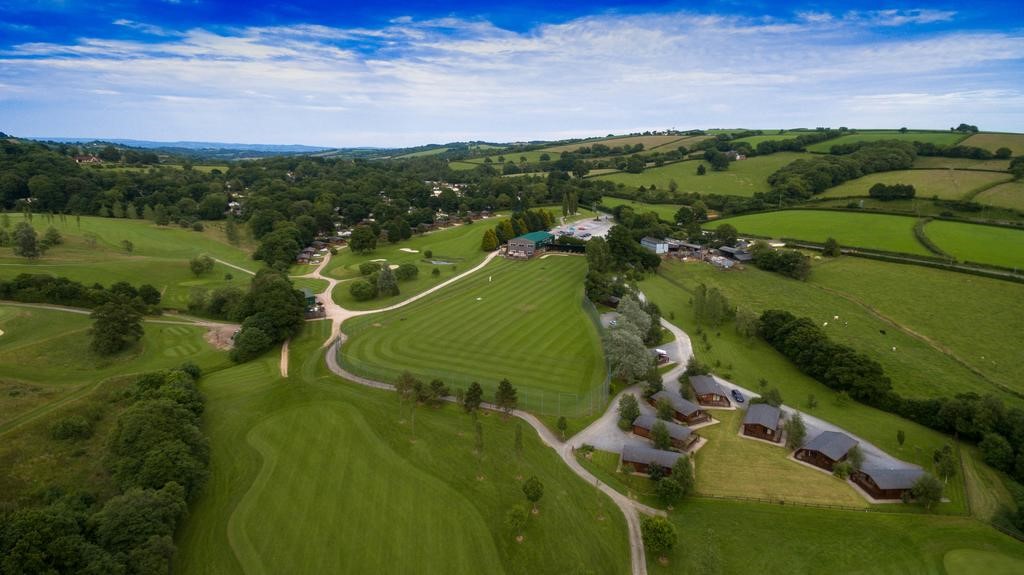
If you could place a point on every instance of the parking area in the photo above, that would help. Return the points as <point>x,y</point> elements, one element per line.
<point>586,228</point>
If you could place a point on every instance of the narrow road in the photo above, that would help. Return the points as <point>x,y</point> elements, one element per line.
<point>231,265</point>
<point>284,358</point>
<point>631,510</point>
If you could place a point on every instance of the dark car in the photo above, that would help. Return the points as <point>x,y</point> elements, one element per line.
<point>737,396</point>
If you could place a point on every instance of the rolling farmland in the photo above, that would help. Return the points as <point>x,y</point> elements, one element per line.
<point>943,184</point>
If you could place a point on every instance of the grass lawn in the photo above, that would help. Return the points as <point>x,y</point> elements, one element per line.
<point>666,212</point>
<point>938,162</point>
<point>944,184</point>
<point>747,361</point>
<point>1009,195</point>
<point>317,285</point>
<point>604,465</point>
<point>755,140</point>
<point>977,243</point>
<point>993,141</point>
<point>462,166</point>
<point>421,153</point>
<point>743,178</point>
<point>317,475</point>
<point>873,231</point>
<point>912,296</point>
<point>649,142</point>
<point>729,465</point>
<point>520,320</point>
<point>160,256</point>
<point>945,138</point>
<point>730,537</point>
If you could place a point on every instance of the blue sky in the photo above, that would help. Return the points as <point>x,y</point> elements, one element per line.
<point>395,74</point>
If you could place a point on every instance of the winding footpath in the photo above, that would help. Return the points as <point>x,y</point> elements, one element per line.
<point>631,509</point>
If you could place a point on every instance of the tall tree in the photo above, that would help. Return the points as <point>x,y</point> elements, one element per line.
<point>116,325</point>
<point>25,241</point>
<point>363,240</point>
<point>796,431</point>
<point>534,491</point>
<point>473,398</point>
<point>659,535</point>
<point>387,285</point>
<point>505,397</point>
<point>660,436</point>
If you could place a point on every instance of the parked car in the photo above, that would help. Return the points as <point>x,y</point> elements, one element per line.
<point>613,323</point>
<point>737,396</point>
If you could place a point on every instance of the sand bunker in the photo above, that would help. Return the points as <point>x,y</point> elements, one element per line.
<point>1,332</point>
<point>393,266</point>
<point>409,251</point>
<point>380,260</point>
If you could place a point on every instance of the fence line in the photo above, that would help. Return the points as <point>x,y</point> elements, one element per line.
<point>775,501</point>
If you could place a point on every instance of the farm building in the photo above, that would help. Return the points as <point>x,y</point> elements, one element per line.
<point>762,421</point>
<point>708,391</point>
<point>643,458</point>
<point>738,254</point>
<point>527,244</point>
<point>886,483</point>
<point>655,245</point>
<point>683,410</point>
<point>683,437</point>
<point>826,450</point>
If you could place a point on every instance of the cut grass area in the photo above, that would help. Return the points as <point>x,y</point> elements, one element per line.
<point>939,138</point>
<point>314,284</point>
<point>978,243</point>
<point>649,142</point>
<point>743,178</point>
<point>1009,195</point>
<point>462,166</point>
<point>731,537</point>
<point>943,184</point>
<point>913,297</point>
<point>666,212</point>
<point>755,140</point>
<point>518,320</point>
<point>986,491</point>
<point>604,465</point>
<point>422,153</point>
<point>747,361</point>
<point>873,231</point>
<point>360,490</point>
<point>992,141</point>
<point>160,256</point>
<point>732,466</point>
<point>938,162</point>
<point>459,245</point>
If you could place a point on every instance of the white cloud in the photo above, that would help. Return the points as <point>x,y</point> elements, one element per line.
<point>414,81</point>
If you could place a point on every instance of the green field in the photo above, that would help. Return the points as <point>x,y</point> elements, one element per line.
<point>317,475</point>
<point>730,537</point>
<point>732,466</point>
<point>422,153</point>
<point>666,212</point>
<point>160,256</point>
<point>459,245</point>
<point>755,140</point>
<point>993,141</point>
<point>1009,195</point>
<point>944,138</point>
<point>977,243</point>
<point>938,162</point>
<point>649,142</point>
<point>743,178</point>
<point>943,184</point>
<point>518,320</point>
<point>873,231</point>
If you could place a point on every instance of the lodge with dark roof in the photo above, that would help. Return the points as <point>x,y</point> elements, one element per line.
<point>826,450</point>
<point>682,437</point>
<point>708,391</point>
<point>886,482</point>
<point>682,410</point>
<point>762,422</point>
<point>642,459</point>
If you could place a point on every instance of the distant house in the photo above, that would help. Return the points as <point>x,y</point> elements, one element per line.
<point>708,391</point>
<point>762,421</point>
<point>526,245</point>
<point>642,459</point>
<point>88,159</point>
<point>683,437</point>
<point>826,450</point>
<point>738,254</point>
<point>886,483</point>
<point>655,245</point>
<point>683,410</point>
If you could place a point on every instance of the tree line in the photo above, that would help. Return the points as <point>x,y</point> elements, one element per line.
<point>804,178</point>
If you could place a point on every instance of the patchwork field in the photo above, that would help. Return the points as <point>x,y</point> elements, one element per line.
<point>992,141</point>
<point>518,320</point>
<point>938,162</point>
<point>730,465</point>
<point>943,184</point>
<point>945,138</point>
<point>92,253</point>
<point>977,243</point>
<point>649,142</point>
<point>743,178</point>
<point>355,479</point>
<point>755,140</point>
<point>422,153</point>
<point>874,231</point>
<point>728,537</point>
<point>666,212</point>
<point>1009,195</point>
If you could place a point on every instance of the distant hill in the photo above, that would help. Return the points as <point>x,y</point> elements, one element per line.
<point>185,145</point>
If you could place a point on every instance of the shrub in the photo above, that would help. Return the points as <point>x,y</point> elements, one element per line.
<point>72,427</point>
<point>842,470</point>
<point>367,268</point>
<point>406,272</point>
<point>363,290</point>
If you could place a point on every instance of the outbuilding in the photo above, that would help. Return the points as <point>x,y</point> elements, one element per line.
<point>826,450</point>
<point>309,296</point>
<point>887,482</point>
<point>682,437</point>
<point>526,245</point>
<point>682,409</point>
<point>655,245</point>
<point>762,422</point>
<point>738,254</point>
<point>708,391</point>
<point>642,459</point>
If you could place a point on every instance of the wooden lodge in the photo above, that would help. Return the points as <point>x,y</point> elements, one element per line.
<point>826,450</point>
<point>642,459</point>
<point>683,438</point>
<point>762,422</point>
<point>887,483</point>
<point>708,391</point>
<point>682,410</point>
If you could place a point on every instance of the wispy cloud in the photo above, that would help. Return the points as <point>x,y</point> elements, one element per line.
<point>412,81</point>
